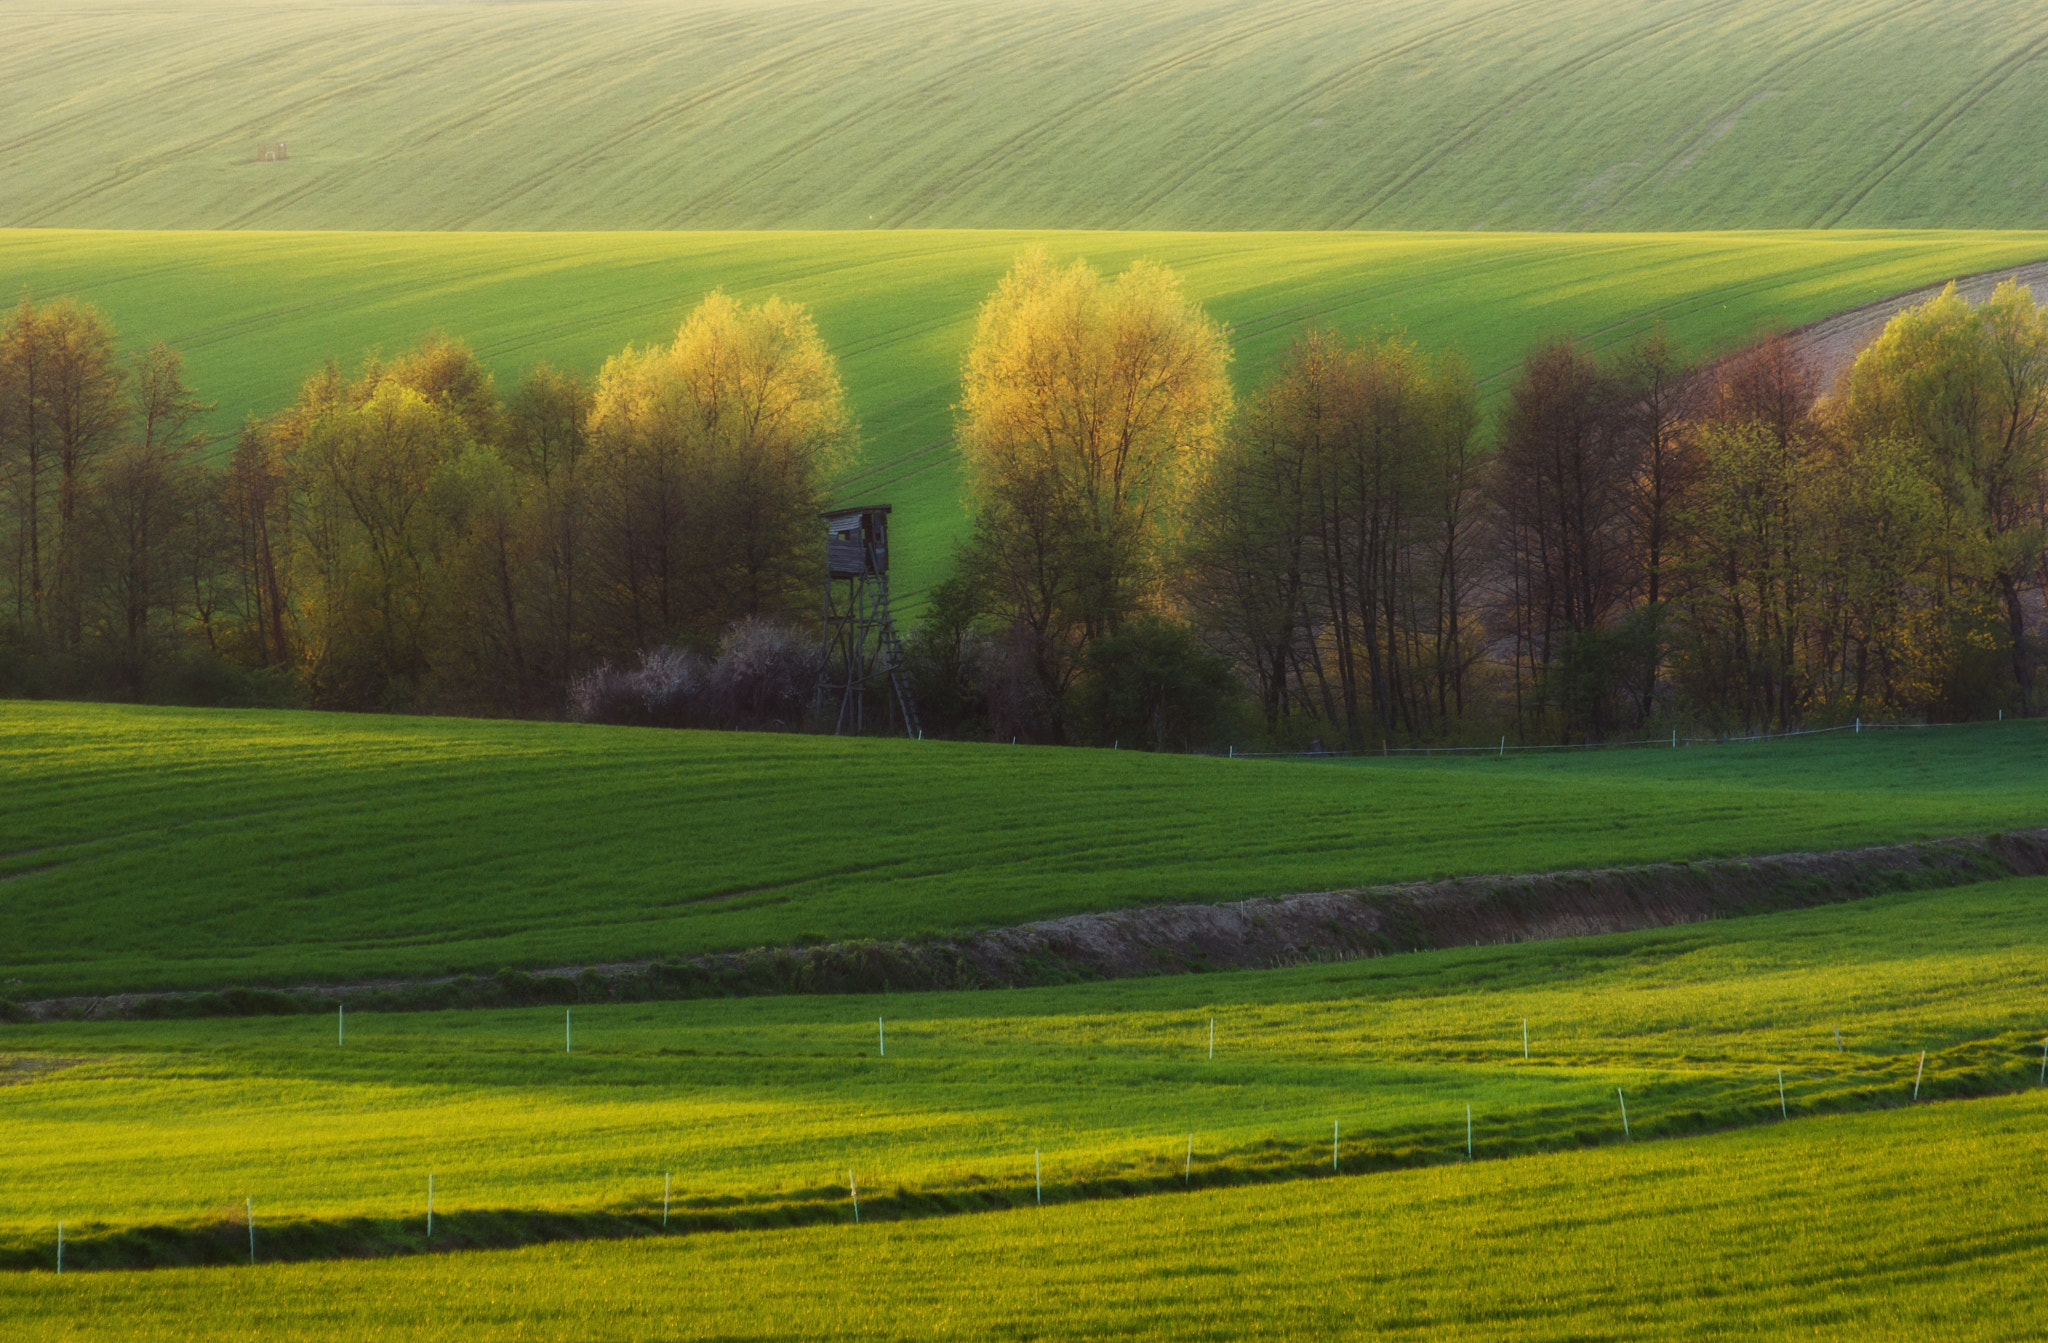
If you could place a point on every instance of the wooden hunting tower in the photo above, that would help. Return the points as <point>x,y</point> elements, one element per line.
<point>862,655</point>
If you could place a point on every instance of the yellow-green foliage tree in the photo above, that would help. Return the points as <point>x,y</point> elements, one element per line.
<point>1963,389</point>
<point>375,536</point>
<point>379,540</point>
<point>706,469</point>
<point>1085,404</point>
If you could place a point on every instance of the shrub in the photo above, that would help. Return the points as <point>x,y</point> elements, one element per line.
<point>1153,683</point>
<point>665,690</point>
<point>765,675</point>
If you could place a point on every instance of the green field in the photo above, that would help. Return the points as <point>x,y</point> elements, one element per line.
<point>1450,114</point>
<point>553,180</point>
<point>159,848</point>
<point>760,1106</point>
<point>1919,1224</point>
<point>256,313</point>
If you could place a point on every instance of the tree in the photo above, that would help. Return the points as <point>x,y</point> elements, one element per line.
<point>1329,546</point>
<point>1084,405</point>
<point>1657,398</point>
<point>149,503</point>
<point>1152,683</point>
<point>1247,523</point>
<point>86,414</point>
<point>61,387</point>
<point>370,539</point>
<point>25,453</point>
<point>707,463</point>
<point>252,541</point>
<point>1744,603</point>
<point>545,444</point>
<point>1562,488</point>
<point>1759,459</point>
<point>485,552</point>
<point>1965,388</point>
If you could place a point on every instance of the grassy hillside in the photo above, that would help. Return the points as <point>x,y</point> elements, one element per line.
<point>1570,114</point>
<point>172,848</point>
<point>1917,1225</point>
<point>759,1107</point>
<point>257,313</point>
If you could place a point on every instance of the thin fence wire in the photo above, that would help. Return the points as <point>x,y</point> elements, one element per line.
<point>1668,741</point>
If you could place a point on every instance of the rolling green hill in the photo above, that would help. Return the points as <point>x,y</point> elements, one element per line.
<point>1459,114</point>
<point>153,848</point>
<point>256,313</point>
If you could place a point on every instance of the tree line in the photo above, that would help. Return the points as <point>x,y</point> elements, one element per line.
<point>404,537</point>
<point>1644,542</point>
<point>1344,556</point>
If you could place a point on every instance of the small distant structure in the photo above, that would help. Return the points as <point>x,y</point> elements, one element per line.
<point>862,655</point>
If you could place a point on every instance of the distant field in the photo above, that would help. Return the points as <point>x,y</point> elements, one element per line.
<point>761,1105</point>
<point>1442,114</point>
<point>256,313</point>
<point>158,848</point>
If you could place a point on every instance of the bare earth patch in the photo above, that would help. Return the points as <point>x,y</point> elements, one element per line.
<point>1833,343</point>
<point>19,1069</point>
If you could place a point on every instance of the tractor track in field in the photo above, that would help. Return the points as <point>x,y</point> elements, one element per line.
<point>1256,933</point>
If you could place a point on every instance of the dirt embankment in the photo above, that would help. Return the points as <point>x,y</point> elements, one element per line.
<point>1179,939</point>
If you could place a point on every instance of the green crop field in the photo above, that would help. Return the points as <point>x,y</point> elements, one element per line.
<point>1919,1224</point>
<point>146,848</point>
<point>758,1108</point>
<point>256,313</point>
<point>1569,114</point>
<point>1347,1147</point>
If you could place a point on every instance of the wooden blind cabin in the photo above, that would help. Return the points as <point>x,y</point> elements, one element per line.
<point>862,655</point>
<point>857,542</point>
